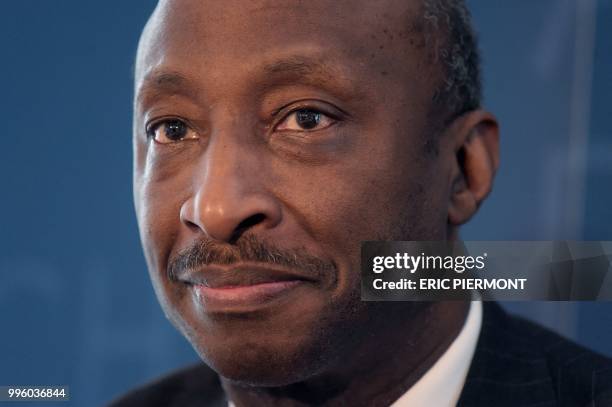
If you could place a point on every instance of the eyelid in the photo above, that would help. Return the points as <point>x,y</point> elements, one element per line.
<point>152,124</point>
<point>333,112</point>
<point>313,104</point>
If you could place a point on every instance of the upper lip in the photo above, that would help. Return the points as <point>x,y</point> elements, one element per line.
<point>216,276</point>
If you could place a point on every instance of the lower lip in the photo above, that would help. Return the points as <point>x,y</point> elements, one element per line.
<point>249,295</point>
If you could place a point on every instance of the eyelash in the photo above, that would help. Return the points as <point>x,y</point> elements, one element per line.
<point>152,127</point>
<point>285,112</point>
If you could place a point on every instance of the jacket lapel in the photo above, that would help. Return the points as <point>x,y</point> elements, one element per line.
<point>507,370</point>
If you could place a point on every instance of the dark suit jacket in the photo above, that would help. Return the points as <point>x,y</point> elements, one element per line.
<point>516,363</point>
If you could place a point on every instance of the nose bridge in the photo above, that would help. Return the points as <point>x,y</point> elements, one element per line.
<point>227,189</point>
<point>219,181</point>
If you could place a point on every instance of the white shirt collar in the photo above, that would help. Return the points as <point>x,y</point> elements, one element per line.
<point>442,384</point>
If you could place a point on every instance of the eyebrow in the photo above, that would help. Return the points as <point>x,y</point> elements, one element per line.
<point>308,70</point>
<point>164,81</point>
<point>294,65</point>
<point>171,79</point>
<point>288,70</point>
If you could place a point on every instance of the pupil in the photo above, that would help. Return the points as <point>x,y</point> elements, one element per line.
<point>175,129</point>
<point>308,119</point>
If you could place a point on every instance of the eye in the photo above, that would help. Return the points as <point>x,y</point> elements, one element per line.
<point>305,120</point>
<point>170,131</point>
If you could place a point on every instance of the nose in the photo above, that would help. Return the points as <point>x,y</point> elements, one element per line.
<point>228,196</point>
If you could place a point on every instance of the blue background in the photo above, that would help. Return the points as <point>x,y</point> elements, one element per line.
<point>76,304</point>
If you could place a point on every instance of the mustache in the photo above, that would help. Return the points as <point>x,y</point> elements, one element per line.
<point>249,249</point>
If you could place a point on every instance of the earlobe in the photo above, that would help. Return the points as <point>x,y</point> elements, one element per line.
<point>476,136</point>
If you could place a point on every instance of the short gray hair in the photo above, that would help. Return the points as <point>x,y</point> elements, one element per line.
<point>455,45</point>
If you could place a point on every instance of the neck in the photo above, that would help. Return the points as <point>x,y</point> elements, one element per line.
<point>407,340</point>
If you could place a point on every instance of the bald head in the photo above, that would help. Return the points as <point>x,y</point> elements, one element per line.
<point>442,27</point>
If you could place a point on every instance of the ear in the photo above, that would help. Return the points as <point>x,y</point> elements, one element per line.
<point>476,139</point>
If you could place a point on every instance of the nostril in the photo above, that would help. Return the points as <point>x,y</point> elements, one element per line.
<point>246,225</point>
<point>191,225</point>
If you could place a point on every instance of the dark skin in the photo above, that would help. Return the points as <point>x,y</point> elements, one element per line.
<point>307,128</point>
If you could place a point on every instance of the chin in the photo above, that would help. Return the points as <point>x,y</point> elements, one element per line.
<point>274,346</point>
<point>264,363</point>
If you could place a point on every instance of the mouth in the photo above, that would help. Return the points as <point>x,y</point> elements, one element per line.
<point>242,286</point>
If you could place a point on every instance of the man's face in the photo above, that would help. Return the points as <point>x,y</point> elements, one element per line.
<point>271,139</point>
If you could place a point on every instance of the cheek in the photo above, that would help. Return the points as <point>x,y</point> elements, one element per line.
<point>161,185</point>
<point>158,222</point>
<point>364,207</point>
<point>357,200</point>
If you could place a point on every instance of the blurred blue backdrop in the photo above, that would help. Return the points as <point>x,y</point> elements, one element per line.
<point>76,304</point>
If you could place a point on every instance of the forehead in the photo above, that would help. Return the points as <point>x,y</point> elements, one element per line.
<point>214,36</point>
